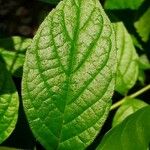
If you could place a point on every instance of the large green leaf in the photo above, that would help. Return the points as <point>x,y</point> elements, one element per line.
<point>68,75</point>
<point>123,4</point>
<point>128,107</point>
<point>8,103</point>
<point>12,50</point>
<point>132,134</point>
<point>142,26</point>
<point>127,72</point>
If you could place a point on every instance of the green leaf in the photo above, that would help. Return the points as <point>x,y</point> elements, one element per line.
<point>144,62</point>
<point>128,107</point>
<point>123,4</point>
<point>136,42</point>
<point>68,75</point>
<point>15,43</point>
<point>12,51</point>
<point>8,104</point>
<point>127,72</point>
<point>132,134</point>
<point>142,26</point>
<point>14,62</point>
<point>142,77</point>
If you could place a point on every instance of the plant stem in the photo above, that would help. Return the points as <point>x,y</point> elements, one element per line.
<point>146,88</point>
<point>117,104</point>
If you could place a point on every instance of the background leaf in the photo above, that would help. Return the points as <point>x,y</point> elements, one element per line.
<point>123,4</point>
<point>141,77</point>
<point>9,102</point>
<point>68,75</point>
<point>14,62</point>
<point>144,63</point>
<point>12,51</point>
<point>142,26</point>
<point>127,108</point>
<point>132,134</point>
<point>15,43</point>
<point>127,72</point>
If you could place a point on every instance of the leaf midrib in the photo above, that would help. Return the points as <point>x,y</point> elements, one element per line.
<point>71,64</point>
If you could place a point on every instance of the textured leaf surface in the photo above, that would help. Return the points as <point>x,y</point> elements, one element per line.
<point>123,4</point>
<point>12,51</point>
<point>8,104</point>
<point>142,26</point>
<point>68,76</point>
<point>127,72</point>
<point>132,134</point>
<point>127,108</point>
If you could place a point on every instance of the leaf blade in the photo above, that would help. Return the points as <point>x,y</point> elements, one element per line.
<point>142,27</point>
<point>9,102</point>
<point>127,108</point>
<point>132,133</point>
<point>72,53</point>
<point>127,57</point>
<point>12,51</point>
<point>123,4</point>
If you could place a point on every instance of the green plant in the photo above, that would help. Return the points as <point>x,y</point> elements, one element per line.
<point>78,69</point>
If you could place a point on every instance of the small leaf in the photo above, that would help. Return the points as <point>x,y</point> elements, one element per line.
<point>142,77</point>
<point>15,43</point>
<point>68,77</point>
<point>142,26</point>
<point>137,43</point>
<point>128,107</point>
<point>12,51</point>
<point>127,72</point>
<point>8,104</point>
<point>144,63</point>
<point>123,4</point>
<point>14,62</point>
<point>132,134</point>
